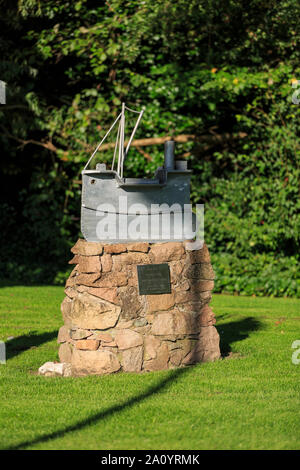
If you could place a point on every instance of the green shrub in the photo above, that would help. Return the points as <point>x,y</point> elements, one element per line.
<point>214,70</point>
<point>257,275</point>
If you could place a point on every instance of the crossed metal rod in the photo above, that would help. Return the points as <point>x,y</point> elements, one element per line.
<point>120,139</point>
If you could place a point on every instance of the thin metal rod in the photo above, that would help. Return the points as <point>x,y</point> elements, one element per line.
<point>116,145</point>
<point>96,149</point>
<point>132,110</point>
<point>133,132</point>
<point>122,140</point>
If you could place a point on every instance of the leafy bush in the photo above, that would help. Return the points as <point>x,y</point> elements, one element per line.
<point>257,275</point>
<point>210,70</point>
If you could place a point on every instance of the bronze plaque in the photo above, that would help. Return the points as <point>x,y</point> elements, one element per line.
<point>154,279</point>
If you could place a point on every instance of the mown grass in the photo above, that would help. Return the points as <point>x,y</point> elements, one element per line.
<point>248,400</point>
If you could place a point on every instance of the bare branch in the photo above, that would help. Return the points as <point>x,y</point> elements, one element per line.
<point>205,141</point>
<point>145,154</point>
<point>182,138</point>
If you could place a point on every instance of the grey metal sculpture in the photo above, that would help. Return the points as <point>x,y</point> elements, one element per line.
<point>160,207</point>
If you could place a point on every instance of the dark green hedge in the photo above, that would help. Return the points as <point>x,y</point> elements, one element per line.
<point>222,71</point>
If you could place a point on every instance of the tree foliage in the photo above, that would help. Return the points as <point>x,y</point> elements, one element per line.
<point>221,71</point>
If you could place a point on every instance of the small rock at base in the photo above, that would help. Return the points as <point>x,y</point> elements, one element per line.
<point>55,369</point>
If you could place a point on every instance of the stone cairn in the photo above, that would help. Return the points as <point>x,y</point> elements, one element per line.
<point>109,327</point>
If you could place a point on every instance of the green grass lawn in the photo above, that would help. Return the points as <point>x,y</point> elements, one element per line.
<point>248,400</point>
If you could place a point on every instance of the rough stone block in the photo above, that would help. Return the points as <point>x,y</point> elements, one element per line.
<point>126,339</point>
<point>176,357</point>
<point>151,347</point>
<point>80,333</point>
<point>112,344</point>
<point>182,297</point>
<point>66,308</point>
<point>115,248</point>
<point>206,317</point>
<point>89,264</point>
<point>71,281</point>
<point>87,280</point>
<point>82,247</point>
<point>123,325</point>
<point>174,323</point>
<point>207,347</point>
<point>106,263</point>
<point>83,288</point>
<point>140,322</point>
<point>128,259</point>
<point>199,256</point>
<point>163,252</point>
<point>200,271</point>
<point>107,293</point>
<point>65,352</point>
<point>132,277</point>
<point>89,312</point>
<point>131,303</point>
<point>63,334</point>
<point>112,280</point>
<point>103,337</point>
<point>160,302</point>
<point>94,362</point>
<point>201,286</point>
<point>176,269</point>
<point>87,344</point>
<point>141,246</point>
<point>74,260</point>
<point>132,359</point>
<point>161,360</point>
<point>71,292</point>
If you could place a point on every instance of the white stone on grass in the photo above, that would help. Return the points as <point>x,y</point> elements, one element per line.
<point>55,369</point>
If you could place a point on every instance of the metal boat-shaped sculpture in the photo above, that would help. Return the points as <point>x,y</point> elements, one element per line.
<point>116,209</point>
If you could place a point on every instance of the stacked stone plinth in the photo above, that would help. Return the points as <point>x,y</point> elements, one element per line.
<point>109,327</point>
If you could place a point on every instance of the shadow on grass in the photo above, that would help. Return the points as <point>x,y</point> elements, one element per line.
<point>229,333</point>
<point>22,343</point>
<point>109,412</point>
<point>235,331</point>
